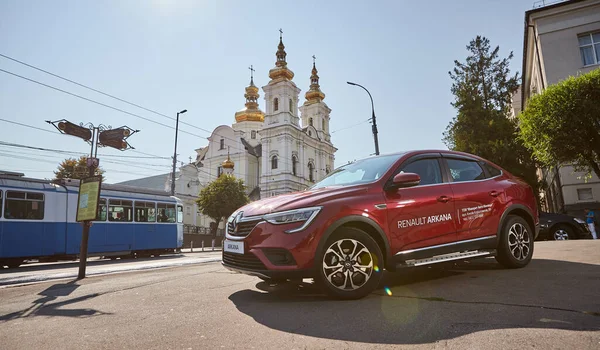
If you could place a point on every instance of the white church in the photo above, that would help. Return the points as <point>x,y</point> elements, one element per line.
<point>284,149</point>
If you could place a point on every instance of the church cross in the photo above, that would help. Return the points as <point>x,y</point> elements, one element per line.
<point>252,70</point>
<point>314,58</point>
<point>280,33</point>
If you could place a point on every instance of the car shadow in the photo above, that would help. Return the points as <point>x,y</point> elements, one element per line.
<point>43,306</point>
<point>429,304</point>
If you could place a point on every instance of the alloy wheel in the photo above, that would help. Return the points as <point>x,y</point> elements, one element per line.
<point>518,241</point>
<point>348,264</point>
<point>561,235</point>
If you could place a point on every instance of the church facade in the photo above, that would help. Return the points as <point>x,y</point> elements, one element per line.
<point>286,148</point>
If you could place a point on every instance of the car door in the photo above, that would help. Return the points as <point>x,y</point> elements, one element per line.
<point>479,196</point>
<point>423,215</point>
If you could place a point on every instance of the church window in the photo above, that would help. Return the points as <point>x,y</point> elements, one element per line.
<point>222,144</point>
<point>274,162</point>
<point>309,133</point>
<point>253,134</point>
<point>327,170</point>
<point>291,108</point>
<point>311,168</point>
<point>294,161</point>
<point>219,171</point>
<point>323,124</point>
<point>310,121</point>
<point>276,104</point>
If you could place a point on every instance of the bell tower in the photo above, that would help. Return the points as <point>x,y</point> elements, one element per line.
<point>314,111</point>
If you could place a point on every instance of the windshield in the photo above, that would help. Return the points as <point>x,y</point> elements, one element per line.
<point>358,172</point>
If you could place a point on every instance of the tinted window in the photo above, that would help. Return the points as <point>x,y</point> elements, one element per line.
<point>427,169</point>
<point>102,210</point>
<point>119,210</point>
<point>24,205</point>
<point>493,171</point>
<point>145,212</point>
<point>465,170</point>
<point>166,212</point>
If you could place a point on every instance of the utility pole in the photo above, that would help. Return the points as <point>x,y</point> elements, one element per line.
<point>374,127</point>
<point>90,185</point>
<point>175,153</point>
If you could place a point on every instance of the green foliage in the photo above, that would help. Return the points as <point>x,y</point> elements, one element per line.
<point>222,197</point>
<point>562,124</point>
<point>66,169</point>
<point>483,89</point>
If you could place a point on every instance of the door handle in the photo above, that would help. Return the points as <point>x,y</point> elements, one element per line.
<point>443,199</point>
<point>494,193</point>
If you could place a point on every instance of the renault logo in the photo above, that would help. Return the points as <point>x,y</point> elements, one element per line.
<point>236,221</point>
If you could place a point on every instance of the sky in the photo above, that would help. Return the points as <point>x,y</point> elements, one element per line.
<point>167,56</point>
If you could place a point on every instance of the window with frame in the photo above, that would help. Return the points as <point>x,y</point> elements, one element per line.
<point>166,212</point>
<point>253,134</point>
<point>179,214</point>
<point>145,212</point>
<point>24,205</point>
<point>275,104</point>
<point>585,194</point>
<point>219,171</point>
<point>291,106</point>
<point>294,162</point>
<point>120,210</point>
<point>310,121</point>
<point>222,144</point>
<point>311,176</point>
<point>274,162</point>
<point>101,210</point>
<point>465,170</point>
<point>428,170</point>
<point>323,124</point>
<point>589,47</point>
<point>492,170</point>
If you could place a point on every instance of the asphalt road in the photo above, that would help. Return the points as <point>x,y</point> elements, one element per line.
<point>554,303</point>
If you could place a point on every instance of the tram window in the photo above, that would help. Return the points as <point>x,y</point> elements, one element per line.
<point>145,212</point>
<point>102,210</point>
<point>1,203</point>
<point>120,210</point>
<point>166,212</point>
<point>179,213</point>
<point>24,205</point>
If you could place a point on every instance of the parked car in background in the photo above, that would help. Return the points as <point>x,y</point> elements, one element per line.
<point>560,227</point>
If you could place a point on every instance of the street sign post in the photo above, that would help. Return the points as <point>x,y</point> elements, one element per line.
<point>89,187</point>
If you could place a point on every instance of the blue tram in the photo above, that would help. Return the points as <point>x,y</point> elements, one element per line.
<point>37,221</point>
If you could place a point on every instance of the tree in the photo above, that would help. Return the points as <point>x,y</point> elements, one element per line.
<point>562,124</point>
<point>66,169</point>
<point>483,90</point>
<point>220,198</point>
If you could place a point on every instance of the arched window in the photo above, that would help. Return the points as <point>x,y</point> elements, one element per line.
<point>327,170</point>
<point>291,108</point>
<point>323,124</point>
<point>274,162</point>
<point>294,161</point>
<point>311,177</point>
<point>275,104</point>
<point>253,134</point>
<point>310,121</point>
<point>222,144</point>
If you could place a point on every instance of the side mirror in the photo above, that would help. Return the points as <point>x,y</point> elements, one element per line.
<point>406,180</point>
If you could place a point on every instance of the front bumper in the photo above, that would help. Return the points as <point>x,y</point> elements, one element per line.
<point>270,274</point>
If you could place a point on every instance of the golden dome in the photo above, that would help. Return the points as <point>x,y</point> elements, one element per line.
<point>251,112</point>
<point>314,94</point>
<point>281,72</point>
<point>227,163</point>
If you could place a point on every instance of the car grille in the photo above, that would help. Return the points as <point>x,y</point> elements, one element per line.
<point>243,228</point>
<point>248,261</point>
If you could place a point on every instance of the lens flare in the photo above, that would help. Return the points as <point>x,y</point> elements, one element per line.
<point>376,268</point>
<point>388,291</point>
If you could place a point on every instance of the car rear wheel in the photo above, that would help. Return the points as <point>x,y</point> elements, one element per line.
<point>350,265</point>
<point>515,249</point>
<point>561,233</point>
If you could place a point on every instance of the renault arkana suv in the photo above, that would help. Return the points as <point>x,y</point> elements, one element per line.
<point>385,212</point>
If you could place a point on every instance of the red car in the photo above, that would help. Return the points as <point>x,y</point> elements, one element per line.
<point>385,212</point>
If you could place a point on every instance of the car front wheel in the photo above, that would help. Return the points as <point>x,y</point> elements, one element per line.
<point>561,233</point>
<point>351,265</point>
<point>515,248</point>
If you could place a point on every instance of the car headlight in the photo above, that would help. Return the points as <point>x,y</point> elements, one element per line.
<point>579,220</point>
<point>305,215</point>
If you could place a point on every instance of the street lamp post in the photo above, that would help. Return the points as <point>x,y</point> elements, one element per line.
<point>175,153</point>
<point>374,128</point>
